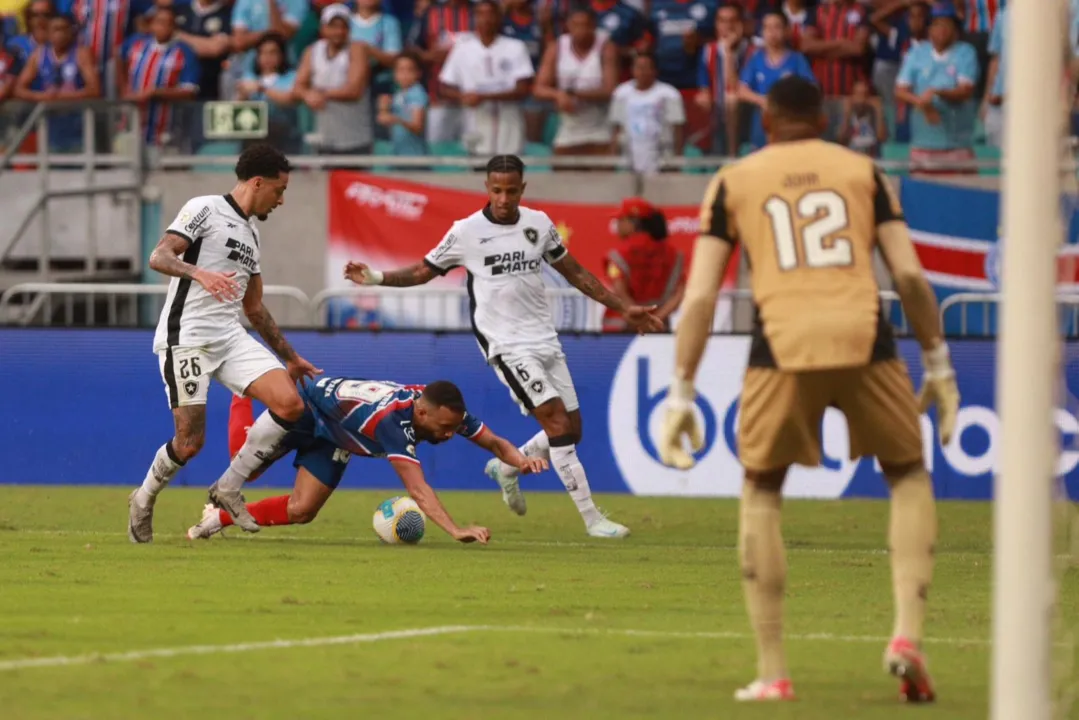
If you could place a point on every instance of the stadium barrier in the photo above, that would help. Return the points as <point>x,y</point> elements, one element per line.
<point>111,380</point>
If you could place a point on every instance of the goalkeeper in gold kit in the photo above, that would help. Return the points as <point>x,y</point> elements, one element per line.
<point>809,214</point>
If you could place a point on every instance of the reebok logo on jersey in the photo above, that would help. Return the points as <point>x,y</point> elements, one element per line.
<point>241,253</point>
<point>198,220</point>
<point>511,263</point>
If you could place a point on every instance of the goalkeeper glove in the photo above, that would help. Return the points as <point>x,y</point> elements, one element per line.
<point>679,422</point>
<point>939,388</point>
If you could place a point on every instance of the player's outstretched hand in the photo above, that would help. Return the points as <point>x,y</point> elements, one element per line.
<point>473,534</point>
<point>220,285</point>
<point>939,388</point>
<point>361,274</point>
<point>298,369</point>
<point>533,465</point>
<point>679,422</point>
<point>643,318</point>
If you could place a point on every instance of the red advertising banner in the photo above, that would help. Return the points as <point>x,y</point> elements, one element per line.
<point>389,223</point>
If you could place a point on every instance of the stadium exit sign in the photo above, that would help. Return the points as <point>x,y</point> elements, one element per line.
<point>245,120</point>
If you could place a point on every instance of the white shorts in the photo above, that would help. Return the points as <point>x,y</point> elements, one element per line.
<point>235,362</point>
<point>536,377</point>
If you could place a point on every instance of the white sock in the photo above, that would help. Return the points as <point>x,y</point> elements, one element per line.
<point>263,438</point>
<point>571,473</point>
<point>162,469</point>
<point>538,446</point>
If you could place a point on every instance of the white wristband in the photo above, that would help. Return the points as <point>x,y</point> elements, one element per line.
<point>372,277</point>
<point>683,391</point>
<point>938,361</point>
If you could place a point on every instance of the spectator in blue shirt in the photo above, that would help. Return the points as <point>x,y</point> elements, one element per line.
<point>718,73</point>
<point>767,66</point>
<point>681,28</point>
<point>206,25</point>
<point>521,22</point>
<point>251,20</point>
<point>60,70</point>
<point>625,25</point>
<point>405,112</point>
<point>938,80</point>
<point>380,35</point>
<point>992,110</point>
<point>897,25</point>
<point>271,80</point>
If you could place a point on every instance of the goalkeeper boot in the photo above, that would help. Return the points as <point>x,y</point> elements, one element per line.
<point>905,661</point>
<point>761,691</point>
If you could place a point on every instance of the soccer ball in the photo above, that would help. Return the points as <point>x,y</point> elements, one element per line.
<point>399,520</point>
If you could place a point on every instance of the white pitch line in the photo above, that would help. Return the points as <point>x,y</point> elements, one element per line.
<point>136,655</point>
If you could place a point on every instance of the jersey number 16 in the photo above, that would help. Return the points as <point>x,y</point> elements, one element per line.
<point>828,212</point>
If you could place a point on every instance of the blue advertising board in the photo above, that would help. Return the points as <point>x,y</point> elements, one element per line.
<point>89,407</point>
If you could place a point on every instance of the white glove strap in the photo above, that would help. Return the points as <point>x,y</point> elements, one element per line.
<point>372,277</point>
<point>682,392</point>
<point>938,362</point>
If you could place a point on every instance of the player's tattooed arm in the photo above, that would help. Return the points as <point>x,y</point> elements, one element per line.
<point>417,274</point>
<point>579,277</point>
<point>263,322</point>
<point>165,258</point>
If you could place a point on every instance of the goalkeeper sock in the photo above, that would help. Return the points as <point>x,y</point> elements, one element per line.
<point>764,575</point>
<point>538,446</point>
<point>912,533</point>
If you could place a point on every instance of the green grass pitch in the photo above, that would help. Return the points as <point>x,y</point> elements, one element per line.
<point>543,623</point>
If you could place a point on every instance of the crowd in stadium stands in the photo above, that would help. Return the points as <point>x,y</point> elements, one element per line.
<point>644,78</point>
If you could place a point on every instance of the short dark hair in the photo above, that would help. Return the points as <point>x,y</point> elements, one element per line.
<point>261,160</point>
<point>506,164</point>
<point>775,12</point>
<point>443,393</point>
<point>281,43</point>
<point>582,9</point>
<point>796,98</point>
<point>494,5</point>
<point>411,57</point>
<point>170,9</point>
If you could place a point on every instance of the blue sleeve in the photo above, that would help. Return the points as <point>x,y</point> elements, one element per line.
<point>192,69</point>
<point>996,38</point>
<point>416,97</point>
<point>241,15</point>
<point>470,427</point>
<point>966,64</point>
<point>295,11</point>
<point>286,81</point>
<point>637,25</point>
<point>391,436</point>
<point>802,68</point>
<point>749,72</point>
<point>907,71</point>
<point>125,49</point>
<point>391,39</point>
<point>704,79</point>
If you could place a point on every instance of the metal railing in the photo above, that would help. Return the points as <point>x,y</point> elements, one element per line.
<point>433,309</point>
<point>47,298</point>
<point>984,324</point>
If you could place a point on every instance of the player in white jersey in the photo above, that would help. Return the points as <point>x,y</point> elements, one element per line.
<point>211,251</point>
<point>503,247</point>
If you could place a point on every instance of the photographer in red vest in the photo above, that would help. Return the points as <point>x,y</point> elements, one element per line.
<point>644,269</point>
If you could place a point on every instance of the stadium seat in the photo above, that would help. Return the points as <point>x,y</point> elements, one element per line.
<point>692,151</point>
<point>895,152</point>
<point>450,148</point>
<point>217,148</point>
<point>537,150</point>
<point>988,152</point>
<point>550,128</point>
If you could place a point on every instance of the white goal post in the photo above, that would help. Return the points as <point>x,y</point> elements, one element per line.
<point>1028,367</point>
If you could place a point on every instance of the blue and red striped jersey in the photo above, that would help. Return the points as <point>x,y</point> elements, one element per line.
<point>981,14</point>
<point>439,25</point>
<point>371,417</point>
<point>840,20</point>
<point>105,25</point>
<point>152,65</point>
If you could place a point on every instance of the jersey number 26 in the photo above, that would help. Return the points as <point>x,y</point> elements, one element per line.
<point>830,212</point>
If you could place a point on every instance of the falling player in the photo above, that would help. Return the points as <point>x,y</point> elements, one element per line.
<point>345,417</point>
<point>212,253</point>
<point>502,247</point>
<point>809,214</point>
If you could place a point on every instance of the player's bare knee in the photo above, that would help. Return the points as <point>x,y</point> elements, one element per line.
<point>187,445</point>
<point>767,480</point>
<point>288,406</point>
<point>300,513</point>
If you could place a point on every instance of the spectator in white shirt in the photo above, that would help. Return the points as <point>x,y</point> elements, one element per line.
<point>648,118</point>
<point>490,75</point>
